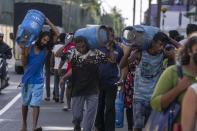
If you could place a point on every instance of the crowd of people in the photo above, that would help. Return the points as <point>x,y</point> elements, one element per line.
<point>87,77</point>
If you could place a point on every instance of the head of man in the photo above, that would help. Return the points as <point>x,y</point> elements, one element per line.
<point>81,44</point>
<point>43,40</point>
<point>159,41</point>
<point>191,28</point>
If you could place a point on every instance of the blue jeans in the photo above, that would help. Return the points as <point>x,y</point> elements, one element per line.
<point>141,112</point>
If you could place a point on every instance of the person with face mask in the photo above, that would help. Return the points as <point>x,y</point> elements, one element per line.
<point>170,87</point>
<point>33,59</point>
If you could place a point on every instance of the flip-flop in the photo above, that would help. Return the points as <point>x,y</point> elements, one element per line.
<point>47,99</point>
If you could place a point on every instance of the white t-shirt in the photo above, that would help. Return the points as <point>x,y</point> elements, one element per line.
<point>58,59</point>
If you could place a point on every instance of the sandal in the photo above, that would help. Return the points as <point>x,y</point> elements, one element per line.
<point>47,99</point>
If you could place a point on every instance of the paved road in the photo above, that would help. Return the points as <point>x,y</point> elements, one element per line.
<point>52,118</point>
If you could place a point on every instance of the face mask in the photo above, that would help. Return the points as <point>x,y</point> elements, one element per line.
<point>195,58</point>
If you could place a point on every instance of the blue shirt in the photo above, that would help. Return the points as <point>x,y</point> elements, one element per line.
<point>109,73</point>
<point>33,73</point>
<point>147,74</point>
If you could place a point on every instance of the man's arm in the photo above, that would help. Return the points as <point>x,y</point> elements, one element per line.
<point>24,56</point>
<point>61,64</point>
<point>67,75</point>
<point>59,52</point>
<point>66,57</point>
<point>175,43</point>
<point>123,75</point>
<point>57,33</point>
<point>126,53</point>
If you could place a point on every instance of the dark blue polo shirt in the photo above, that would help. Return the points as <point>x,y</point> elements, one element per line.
<point>109,73</point>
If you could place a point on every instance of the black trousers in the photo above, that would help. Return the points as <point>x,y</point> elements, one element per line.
<point>105,118</point>
<point>47,73</point>
<point>129,114</point>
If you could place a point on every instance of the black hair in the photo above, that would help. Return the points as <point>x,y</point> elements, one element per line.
<point>173,34</point>
<point>62,37</point>
<point>191,28</point>
<point>80,39</point>
<point>41,35</point>
<point>162,37</point>
<point>183,53</point>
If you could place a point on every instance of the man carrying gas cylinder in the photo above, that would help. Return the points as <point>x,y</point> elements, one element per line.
<point>108,76</point>
<point>33,59</point>
<point>150,42</point>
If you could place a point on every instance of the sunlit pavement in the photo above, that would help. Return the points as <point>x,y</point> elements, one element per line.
<point>52,118</point>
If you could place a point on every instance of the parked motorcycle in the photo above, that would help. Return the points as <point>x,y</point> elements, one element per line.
<point>4,78</point>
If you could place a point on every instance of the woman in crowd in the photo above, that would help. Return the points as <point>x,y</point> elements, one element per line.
<point>171,87</point>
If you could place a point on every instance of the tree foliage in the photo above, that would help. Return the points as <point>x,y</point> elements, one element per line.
<point>91,14</point>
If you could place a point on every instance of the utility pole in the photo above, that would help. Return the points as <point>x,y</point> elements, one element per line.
<point>196,11</point>
<point>69,18</point>
<point>149,13</point>
<point>134,6</point>
<point>188,6</point>
<point>158,13</point>
<point>140,11</point>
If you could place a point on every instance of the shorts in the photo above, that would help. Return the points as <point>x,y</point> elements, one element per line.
<point>141,112</point>
<point>32,94</point>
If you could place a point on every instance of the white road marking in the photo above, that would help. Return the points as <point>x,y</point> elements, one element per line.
<point>56,128</point>
<point>2,111</point>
